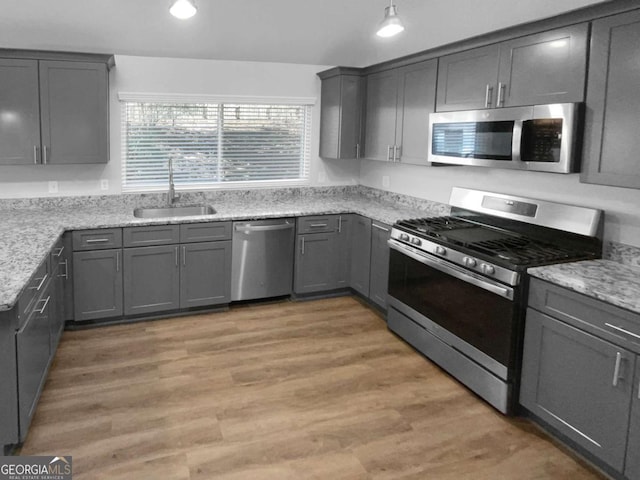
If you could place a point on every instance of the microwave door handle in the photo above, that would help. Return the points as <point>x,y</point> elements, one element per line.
<point>516,142</point>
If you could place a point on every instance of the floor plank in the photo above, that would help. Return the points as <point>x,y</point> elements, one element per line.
<point>310,390</point>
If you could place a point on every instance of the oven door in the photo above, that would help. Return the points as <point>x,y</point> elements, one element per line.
<point>475,315</point>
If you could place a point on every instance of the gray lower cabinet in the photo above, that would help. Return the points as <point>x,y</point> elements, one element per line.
<point>340,113</point>
<point>151,279</point>
<point>632,465</point>
<point>205,274</point>
<point>379,274</point>
<point>361,254</point>
<point>9,428</point>
<point>315,269</point>
<point>97,286</point>
<point>578,384</point>
<point>343,251</point>
<point>613,101</point>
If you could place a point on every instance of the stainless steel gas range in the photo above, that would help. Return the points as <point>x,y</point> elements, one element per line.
<point>458,284</point>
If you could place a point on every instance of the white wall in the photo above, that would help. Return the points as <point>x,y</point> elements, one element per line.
<point>179,76</point>
<point>621,205</point>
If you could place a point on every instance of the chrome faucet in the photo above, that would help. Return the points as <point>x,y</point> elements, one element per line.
<point>172,196</point>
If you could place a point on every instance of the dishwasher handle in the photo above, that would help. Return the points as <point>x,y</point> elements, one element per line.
<point>263,228</point>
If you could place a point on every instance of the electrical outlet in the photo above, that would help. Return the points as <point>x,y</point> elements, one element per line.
<point>385,181</point>
<point>104,184</point>
<point>53,187</point>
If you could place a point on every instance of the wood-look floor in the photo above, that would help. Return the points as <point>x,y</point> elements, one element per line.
<point>311,390</point>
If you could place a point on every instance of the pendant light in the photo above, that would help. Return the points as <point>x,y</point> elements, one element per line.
<point>391,25</point>
<point>183,9</point>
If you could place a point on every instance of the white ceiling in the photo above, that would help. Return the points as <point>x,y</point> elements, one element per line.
<point>318,32</point>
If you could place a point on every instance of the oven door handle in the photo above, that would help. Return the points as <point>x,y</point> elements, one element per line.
<point>454,271</point>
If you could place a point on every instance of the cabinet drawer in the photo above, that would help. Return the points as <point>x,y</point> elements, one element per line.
<point>98,239</point>
<point>319,224</point>
<point>150,235</point>
<point>34,288</point>
<point>205,232</point>
<point>611,323</point>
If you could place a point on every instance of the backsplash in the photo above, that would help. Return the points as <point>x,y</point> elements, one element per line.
<point>622,253</point>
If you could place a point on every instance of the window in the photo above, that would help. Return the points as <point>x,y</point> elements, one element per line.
<point>213,144</point>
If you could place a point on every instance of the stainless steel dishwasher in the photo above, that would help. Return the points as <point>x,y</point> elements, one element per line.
<point>262,259</point>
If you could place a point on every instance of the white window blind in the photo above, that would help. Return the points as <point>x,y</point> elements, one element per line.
<point>214,144</point>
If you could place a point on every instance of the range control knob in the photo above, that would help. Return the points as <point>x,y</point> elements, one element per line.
<point>488,269</point>
<point>469,262</point>
<point>416,241</point>
<point>441,250</point>
<point>404,237</point>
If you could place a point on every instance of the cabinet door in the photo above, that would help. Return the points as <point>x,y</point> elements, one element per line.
<point>361,255</point>
<point>205,275</point>
<point>548,67</point>
<point>632,465</point>
<point>20,121</point>
<point>343,251</point>
<point>341,109</point>
<point>579,384</point>
<point>613,101</point>
<point>151,279</point>
<point>380,234</point>
<point>467,80</point>
<point>315,263</point>
<point>97,284</point>
<point>380,123</point>
<point>9,429</point>
<point>74,101</point>
<point>416,100</point>
<point>32,350</point>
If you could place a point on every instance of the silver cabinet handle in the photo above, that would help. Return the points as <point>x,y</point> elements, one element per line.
<point>35,154</point>
<point>638,390</point>
<point>622,330</point>
<point>389,148</point>
<point>117,260</point>
<point>59,252</point>
<point>357,150</point>
<point>302,245</point>
<point>184,256</point>
<point>66,269</point>
<point>379,227</point>
<point>44,307</point>
<point>44,155</point>
<point>500,99</point>
<point>96,240</point>
<point>340,224</point>
<point>487,96</point>
<point>616,369</point>
<point>397,153</point>
<point>177,259</point>
<point>318,225</point>
<point>42,280</point>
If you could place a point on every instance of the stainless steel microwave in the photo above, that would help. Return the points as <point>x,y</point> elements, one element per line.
<point>543,138</point>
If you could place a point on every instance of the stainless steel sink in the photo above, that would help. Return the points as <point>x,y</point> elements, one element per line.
<point>161,212</point>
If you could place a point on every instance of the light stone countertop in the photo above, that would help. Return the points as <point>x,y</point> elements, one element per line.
<point>605,280</point>
<point>28,234</point>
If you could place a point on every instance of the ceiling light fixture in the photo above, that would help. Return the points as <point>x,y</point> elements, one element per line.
<point>391,25</point>
<point>183,9</point>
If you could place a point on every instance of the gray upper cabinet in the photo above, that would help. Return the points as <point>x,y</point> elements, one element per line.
<point>361,255</point>
<point>205,274</point>
<point>467,80</point>
<point>97,284</point>
<point>380,123</point>
<point>151,279</point>
<point>613,102</point>
<point>379,282</point>
<point>632,464</point>
<point>548,67</point>
<point>74,102</point>
<point>399,102</point>
<point>340,114</point>
<point>20,127</point>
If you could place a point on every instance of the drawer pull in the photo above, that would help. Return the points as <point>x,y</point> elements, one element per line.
<point>622,330</point>
<point>317,225</point>
<point>97,240</point>
<point>379,227</point>
<point>59,252</point>
<point>44,307</point>
<point>42,280</point>
<point>616,369</point>
<point>66,269</point>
